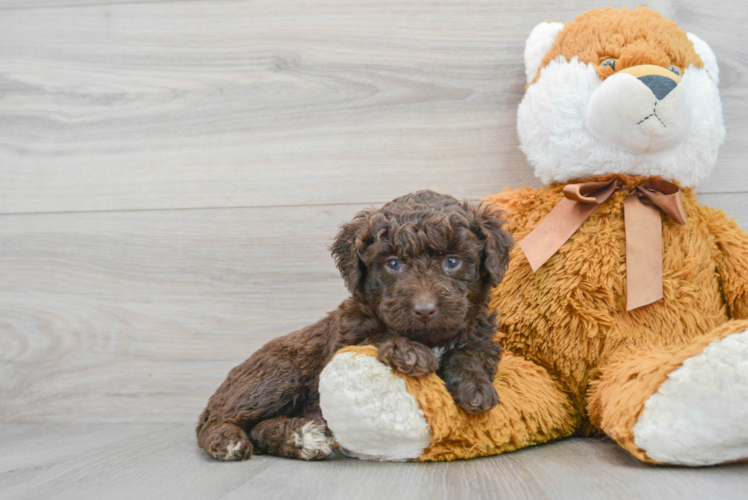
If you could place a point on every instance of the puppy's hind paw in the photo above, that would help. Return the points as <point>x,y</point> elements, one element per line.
<point>298,437</point>
<point>235,451</point>
<point>229,443</point>
<point>313,441</point>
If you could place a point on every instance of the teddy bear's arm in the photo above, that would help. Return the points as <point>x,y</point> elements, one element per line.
<point>732,261</point>
<point>379,414</point>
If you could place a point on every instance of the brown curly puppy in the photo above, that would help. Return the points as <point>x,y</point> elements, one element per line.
<point>419,270</point>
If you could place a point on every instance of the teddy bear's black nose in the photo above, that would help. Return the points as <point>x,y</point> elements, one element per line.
<point>660,86</point>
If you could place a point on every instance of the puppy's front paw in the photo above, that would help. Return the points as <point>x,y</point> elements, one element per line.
<point>475,396</point>
<point>408,357</point>
<point>229,442</point>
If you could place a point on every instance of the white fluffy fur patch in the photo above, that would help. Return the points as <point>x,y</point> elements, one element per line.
<point>369,410</point>
<point>313,442</point>
<point>439,352</point>
<point>555,137</point>
<point>699,415</point>
<point>537,46</point>
<point>233,451</point>
<point>707,56</point>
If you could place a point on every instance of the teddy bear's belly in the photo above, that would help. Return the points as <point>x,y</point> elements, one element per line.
<point>570,316</point>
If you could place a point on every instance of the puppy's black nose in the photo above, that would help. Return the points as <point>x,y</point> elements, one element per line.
<point>659,85</point>
<point>425,310</point>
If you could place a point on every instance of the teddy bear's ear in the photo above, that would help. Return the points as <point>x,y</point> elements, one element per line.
<point>538,44</point>
<point>707,56</point>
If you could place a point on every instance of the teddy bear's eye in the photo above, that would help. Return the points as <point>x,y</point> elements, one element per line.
<point>611,63</point>
<point>675,69</point>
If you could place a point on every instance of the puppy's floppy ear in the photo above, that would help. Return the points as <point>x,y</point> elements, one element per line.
<point>351,240</point>
<point>496,242</point>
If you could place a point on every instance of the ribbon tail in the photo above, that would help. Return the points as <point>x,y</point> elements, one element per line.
<point>666,196</point>
<point>643,253</point>
<point>579,201</point>
<point>554,230</point>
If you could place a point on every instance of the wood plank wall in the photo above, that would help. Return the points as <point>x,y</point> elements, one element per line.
<point>171,172</point>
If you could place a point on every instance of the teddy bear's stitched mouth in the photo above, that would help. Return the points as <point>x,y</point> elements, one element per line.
<point>654,113</point>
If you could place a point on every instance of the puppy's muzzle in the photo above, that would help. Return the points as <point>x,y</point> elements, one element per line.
<point>424,310</point>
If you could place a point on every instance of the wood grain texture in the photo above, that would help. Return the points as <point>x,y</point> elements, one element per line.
<point>240,103</point>
<point>72,4</point>
<point>161,461</point>
<point>138,316</point>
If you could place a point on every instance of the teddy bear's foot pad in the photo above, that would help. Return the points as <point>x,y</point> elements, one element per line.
<point>699,415</point>
<point>370,411</point>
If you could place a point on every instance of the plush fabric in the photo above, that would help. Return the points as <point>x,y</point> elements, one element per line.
<point>571,317</point>
<point>667,381</point>
<point>579,118</point>
<point>522,419</point>
<point>633,37</point>
<point>403,434</point>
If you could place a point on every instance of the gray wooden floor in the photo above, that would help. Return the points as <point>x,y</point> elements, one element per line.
<point>139,461</point>
<point>171,174</point>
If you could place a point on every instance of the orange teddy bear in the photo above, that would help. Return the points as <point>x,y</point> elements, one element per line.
<point>624,307</point>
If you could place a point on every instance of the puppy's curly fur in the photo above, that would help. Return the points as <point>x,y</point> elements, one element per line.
<point>419,271</point>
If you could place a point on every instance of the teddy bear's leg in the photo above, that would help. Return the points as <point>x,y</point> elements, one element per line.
<point>681,405</point>
<point>378,414</point>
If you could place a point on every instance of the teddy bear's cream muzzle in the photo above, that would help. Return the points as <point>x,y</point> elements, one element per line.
<point>641,109</point>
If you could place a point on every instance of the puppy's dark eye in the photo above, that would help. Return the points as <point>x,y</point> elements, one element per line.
<point>675,69</point>
<point>611,63</point>
<point>451,263</point>
<point>394,265</point>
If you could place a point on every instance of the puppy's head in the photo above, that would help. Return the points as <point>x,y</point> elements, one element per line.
<point>424,263</point>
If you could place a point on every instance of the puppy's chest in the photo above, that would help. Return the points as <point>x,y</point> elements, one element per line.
<point>440,351</point>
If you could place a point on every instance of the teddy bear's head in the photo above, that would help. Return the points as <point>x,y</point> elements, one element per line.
<point>620,92</point>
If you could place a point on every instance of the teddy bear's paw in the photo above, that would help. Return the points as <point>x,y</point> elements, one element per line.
<point>699,415</point>
<point>474,396</point>
<point>229,443</point>
<point>370,411</point>
<point>313,442</point>
<point>408,357</point>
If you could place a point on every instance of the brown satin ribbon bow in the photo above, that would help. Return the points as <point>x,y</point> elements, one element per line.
<point>643,225</point>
